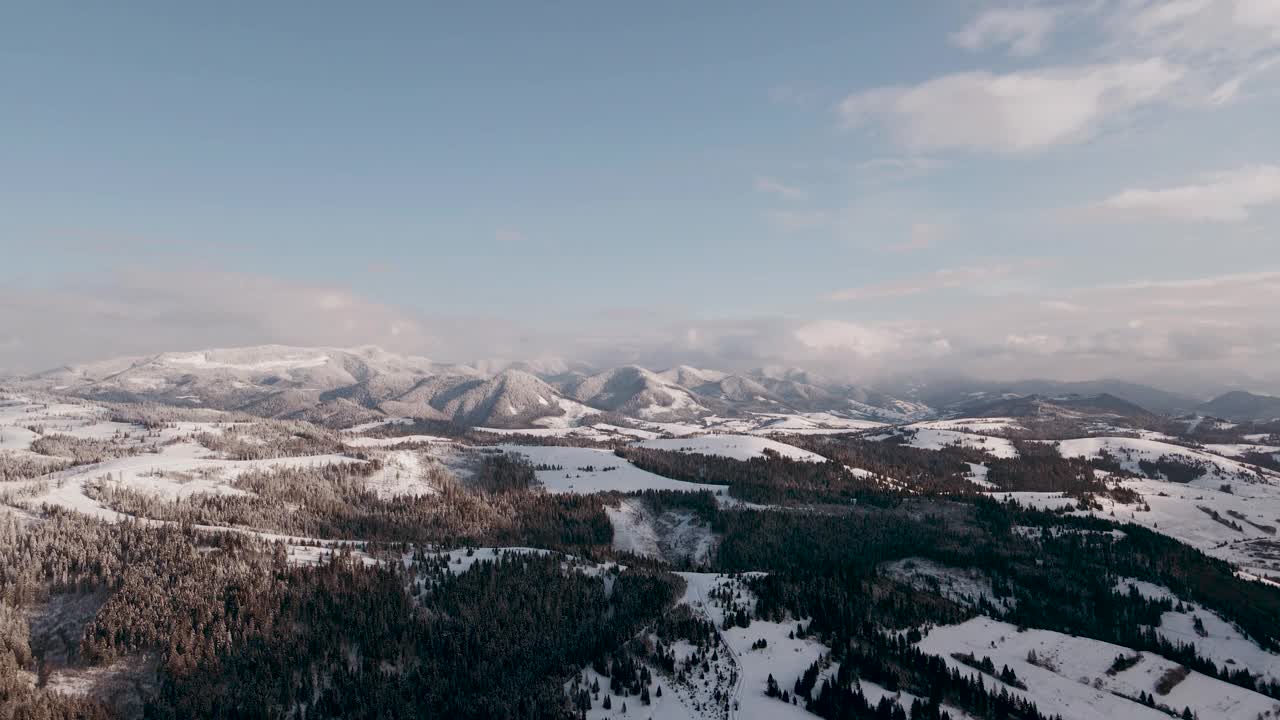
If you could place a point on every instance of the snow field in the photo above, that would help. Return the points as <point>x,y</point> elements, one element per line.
<point>1070,677</point>
<point>736,447</point>
<point>625,477</point>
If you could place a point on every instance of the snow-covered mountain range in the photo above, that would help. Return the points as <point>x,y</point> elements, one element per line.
<point>359,384</point>
<point>344,386</point>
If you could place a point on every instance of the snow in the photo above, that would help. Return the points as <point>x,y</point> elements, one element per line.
<point>1222,643</point>
<point>629,432</point>
<point>1148,590</point>
<point>677,429</point>
<point>16,438</point>
<point>1130,451</point>
<point>54,417</point>
<point>320,554</point>
<point>366,427</point>
<point>572,479</point>
<point>935,439</point>
<point>810,423</point>
<point>403,473</point>
<point>672,535</point>
<point>672,705</point>
<point>600,432</point>
<point>102,430</point>
<point>972,425</point>
<point>1175,511</point>
<point>680,401</point>
<point>385,442</point>
<point>201,360</point>
<point>1236,450</point>
<point>179,470</point>
<point>461,560</point>
<point>1039,500</point>
<point>1070,678</point>
<point>979,472</point>
<point>567,423</point>
<point>736,447</point>
<point>785,658</point>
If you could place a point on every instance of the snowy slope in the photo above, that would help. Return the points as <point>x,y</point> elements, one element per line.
<point>675,536</point>
<point>1070,678</point>
<point>810,423</point>
<point>737,447</point>
<point>510,399</point>
<point>638,392</point>
<point>1220,642</point>
<point>929,438</point>
<point>1179,511</point>
<point>972,425</point>
<point>1130,451</point>
<point>609,472</point>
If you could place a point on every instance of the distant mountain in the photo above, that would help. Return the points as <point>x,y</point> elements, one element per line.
<point>1066,407</point>
<point>691,377</point>
<point>512,398</point>
<point>737,389</point>
<point>780,389</point>
<point>803,396</point>
<point>1240,406</point>
<point>269,380</point>
<point>952,392</point>
<point>633,390</point>
<point>338,386</point>
<point>1147,397</point>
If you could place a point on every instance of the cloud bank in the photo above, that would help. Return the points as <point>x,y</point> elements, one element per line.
<point>1217,324</point>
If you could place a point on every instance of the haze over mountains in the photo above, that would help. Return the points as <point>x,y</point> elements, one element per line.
<point>342,387</point>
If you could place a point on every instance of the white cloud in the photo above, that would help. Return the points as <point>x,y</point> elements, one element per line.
<point>1200,326</point>
<point>1228,196</point>
<point>1227,43</point>
<point>948,278</point>
<point>1015,112</point>
<point>777,187</point>
<point>1023,30</point>
<point>146,311</point>
<point>847,336</point>
<point>1214,28</point>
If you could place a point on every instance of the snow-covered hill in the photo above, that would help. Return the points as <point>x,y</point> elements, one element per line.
<point>1070,675</point>
<point>633,390</point>
<point>737,447</point>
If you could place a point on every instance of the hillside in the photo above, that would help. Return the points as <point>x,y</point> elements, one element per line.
<point>1240,406</point>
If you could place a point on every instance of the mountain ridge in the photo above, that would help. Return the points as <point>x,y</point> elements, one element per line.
<point>366,382</point>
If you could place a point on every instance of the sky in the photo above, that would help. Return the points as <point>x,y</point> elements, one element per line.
<point>1029,189</point>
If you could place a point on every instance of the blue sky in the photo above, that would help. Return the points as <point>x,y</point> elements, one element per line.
<point>853,185</point>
